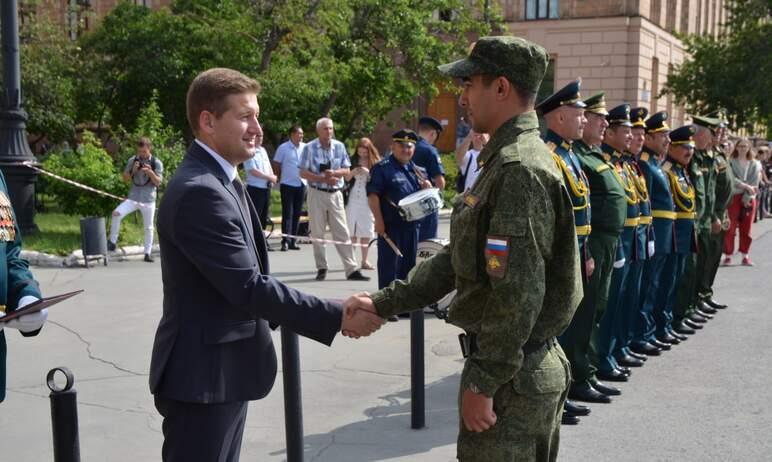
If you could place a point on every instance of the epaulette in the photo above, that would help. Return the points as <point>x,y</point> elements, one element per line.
<point>551,146</point>
<point>666,166</point>
<point>644,156</point>
<point>606,157</point>
<point>383,161</point>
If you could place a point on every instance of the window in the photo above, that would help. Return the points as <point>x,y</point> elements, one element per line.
<point>541,9</point>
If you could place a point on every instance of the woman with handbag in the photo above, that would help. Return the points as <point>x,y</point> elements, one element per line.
<point>360,219</point>
<point>742,208</point>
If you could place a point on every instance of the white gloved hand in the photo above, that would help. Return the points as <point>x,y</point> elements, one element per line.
<point>619,263</point>
<point>29,322</point>
<point>650,246</point>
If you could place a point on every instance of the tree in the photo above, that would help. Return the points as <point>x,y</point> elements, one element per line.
<point>732,69</point>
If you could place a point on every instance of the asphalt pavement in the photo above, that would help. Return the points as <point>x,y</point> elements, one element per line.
<point>706,400</point>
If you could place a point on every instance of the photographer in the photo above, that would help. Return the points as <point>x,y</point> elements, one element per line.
<point>145,173</point>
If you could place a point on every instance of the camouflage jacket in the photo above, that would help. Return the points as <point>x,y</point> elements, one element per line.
<point>513,257</point>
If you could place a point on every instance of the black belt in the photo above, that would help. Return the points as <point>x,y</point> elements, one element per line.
<point>529,347</point>
<point>333,190</point>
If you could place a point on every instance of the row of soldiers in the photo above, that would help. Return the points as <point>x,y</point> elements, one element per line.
<point>650,210</point>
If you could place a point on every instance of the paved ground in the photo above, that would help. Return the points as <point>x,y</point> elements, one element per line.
<point>705,401</point>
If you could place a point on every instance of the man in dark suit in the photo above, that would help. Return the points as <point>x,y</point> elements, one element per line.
<point>213,351</point>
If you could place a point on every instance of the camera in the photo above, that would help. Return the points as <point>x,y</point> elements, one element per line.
<point>142,163</point>
<point>324,167</point>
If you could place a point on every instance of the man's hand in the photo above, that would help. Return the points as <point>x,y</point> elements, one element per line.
<point>359,316</point>
<point>477,411</point>
<point>589,266</point>
<point>28,322</point>
<point>715,227</point>
<point>380,228</point>
<point>426,184</point>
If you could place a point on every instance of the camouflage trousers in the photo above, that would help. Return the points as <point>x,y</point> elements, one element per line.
<point>528,411</point>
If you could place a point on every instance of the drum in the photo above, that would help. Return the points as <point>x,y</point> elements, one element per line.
<point>426,250</point>
<point>420,204</point>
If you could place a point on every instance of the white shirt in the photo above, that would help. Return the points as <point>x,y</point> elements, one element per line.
<point>227,167</point>
<point>473,170</point>
<point>288,155</point>
<point>261,163</point>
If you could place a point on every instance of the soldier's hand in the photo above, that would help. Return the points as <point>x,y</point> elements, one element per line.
<point>477,411</point>
<point>589,266</point>
<point>360,318</point>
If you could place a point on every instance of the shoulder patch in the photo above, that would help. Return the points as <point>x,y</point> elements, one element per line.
<point>496,256</point>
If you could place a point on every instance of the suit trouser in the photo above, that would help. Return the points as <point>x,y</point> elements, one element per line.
<point>686,300</point>
<point>576,339</point>
<point>670,279</point>
<point>428,227</point>
<point>652,283</point>
<point>201,432</point>
<point>631,304</point>
<point>326,208</point>
<point>607,337</point>
<point>528,410</point>
<point>291,207</point>
<point>714,261</point>
<point>390,265</point>
<point>261,198</point>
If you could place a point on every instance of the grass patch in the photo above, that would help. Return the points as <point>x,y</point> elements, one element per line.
<point>60,233</point>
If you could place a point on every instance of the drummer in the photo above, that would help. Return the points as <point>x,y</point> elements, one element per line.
<point>391,180</point>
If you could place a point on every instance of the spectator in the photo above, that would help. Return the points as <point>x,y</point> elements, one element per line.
<point>145,173</point>
<point>466,158</point>
<point>361,223</point>
<point>747,175</point>
<point>285,163</point>
<point>260,180</point>
<point>462,131</point>
<point>765,199</point>
<point>324,163</point>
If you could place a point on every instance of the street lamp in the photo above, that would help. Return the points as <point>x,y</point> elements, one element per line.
<point>14,149</point>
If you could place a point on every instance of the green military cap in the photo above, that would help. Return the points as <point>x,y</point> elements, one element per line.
<point>405,136</point>
<point>596,104</point>
<point>683,136</point>
<point>619,115</point>
<point>522,62</point>
<point>708,122</point>
<point>566,96</point>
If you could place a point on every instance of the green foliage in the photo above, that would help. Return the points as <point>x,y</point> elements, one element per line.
<point>90,165</point>
<point>731,70</point>
<point>451,173</point>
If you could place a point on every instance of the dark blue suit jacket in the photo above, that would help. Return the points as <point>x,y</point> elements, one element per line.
<point>213,343</point>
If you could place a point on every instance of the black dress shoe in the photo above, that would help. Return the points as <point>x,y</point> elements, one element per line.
<point>293,246</point>
<point>637,355</point>
<point>149,258</point>
<point>669,339</point>
<point>646,349</point>
<point>357,276</point>
<point>682,329</point>
<point>111,246</point>
<point>705,308</point>
<point>715,304</point>
<point>585,392</point>
<point>629,361</point>
<point>694,325</point>
<point>705,315</point>
<point>679,336</point>
<point>606,389</point>
<point>661,345</point>
<point>613,376</point>
<point>270,249</point>
<point>283,247</point>
<point>625,370</point>
<point>569,419</point>
<point>575,408</point>
<point>321,275</point>
<point>696,317</point>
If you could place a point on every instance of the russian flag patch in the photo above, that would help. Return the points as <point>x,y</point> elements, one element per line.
<point>496,256</point>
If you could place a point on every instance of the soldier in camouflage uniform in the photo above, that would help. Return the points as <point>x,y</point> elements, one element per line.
<point>514,260</point>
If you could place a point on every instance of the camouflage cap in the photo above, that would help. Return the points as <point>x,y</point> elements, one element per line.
<point>522,62</point>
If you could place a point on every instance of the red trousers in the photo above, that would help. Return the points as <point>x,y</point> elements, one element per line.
<point>739,217</point>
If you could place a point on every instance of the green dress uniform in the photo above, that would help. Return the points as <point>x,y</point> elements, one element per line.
<point>724,187</point>
<point>513,258</point>
<point>16,280</point>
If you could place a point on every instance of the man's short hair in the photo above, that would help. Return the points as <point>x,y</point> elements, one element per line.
<point>210,89</point>
<point>528,97</point>
<point>295,129</point>
<point>144,142</point>
<point>321,121</point>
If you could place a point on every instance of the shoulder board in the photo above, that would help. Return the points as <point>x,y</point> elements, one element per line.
<point>606,157</point>
<point>383,161</point>
<point>645,156</point>
<point>601,168</point>
<point>551,146</point>
<point>667,166</point>
<point>510,154</point>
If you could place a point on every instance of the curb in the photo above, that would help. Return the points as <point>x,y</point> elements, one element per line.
<point>75,259</point>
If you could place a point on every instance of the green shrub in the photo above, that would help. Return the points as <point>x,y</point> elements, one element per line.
<point>451,173</point>
<point>90,165</point>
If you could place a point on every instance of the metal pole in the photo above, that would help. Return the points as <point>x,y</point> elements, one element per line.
<point>417,388</point>
<point>64,417</point>
<point>293,404</point>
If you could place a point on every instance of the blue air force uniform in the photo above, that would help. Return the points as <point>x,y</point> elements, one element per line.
<point>391,182</point>
<point>428,158</point>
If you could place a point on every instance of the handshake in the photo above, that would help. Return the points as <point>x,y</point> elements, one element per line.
<point>359,316</point>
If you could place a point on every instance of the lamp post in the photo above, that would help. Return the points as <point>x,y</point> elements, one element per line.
<point>14,148</point>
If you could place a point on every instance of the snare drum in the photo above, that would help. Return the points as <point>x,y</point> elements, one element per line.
<point>426,250</point>
<point>420,204</point>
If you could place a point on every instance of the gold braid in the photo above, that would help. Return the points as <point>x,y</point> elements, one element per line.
<point>639,181</point>
<point>679,193</point>
<point>630,194</point>
<point>579,190</point>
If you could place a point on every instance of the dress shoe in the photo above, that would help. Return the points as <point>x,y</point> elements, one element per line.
<point>293,246</point>
<point>321,275</point>
<point>111,246</point>
<point>585,392</point>
<point>704,314</point>
<point>695,317</point>
<point>625,370</point>
<point>646,348</point>
<point>357,276</point>
<point>637,355</point>
<point>692,324</point>
<point>575,408</point>
<point>630,361</point>
<point>569,419</point>
<point>149,258</point>
<point>606,389</point>
<point>661,345</point>
<point>714,304</point>
<point>682,329</point>
<point>680,337</point>
<point>705,308</point>
<point>283,247</point>
<point>669,339</point>
<point>270,249</point>
<point>612,376</point>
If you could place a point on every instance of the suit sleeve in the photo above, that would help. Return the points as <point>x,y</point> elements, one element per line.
<point>215,244</point>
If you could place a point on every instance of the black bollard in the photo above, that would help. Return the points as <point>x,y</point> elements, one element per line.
<point>417,392</point>
<point>293,404</point>
<point>64,416</point>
